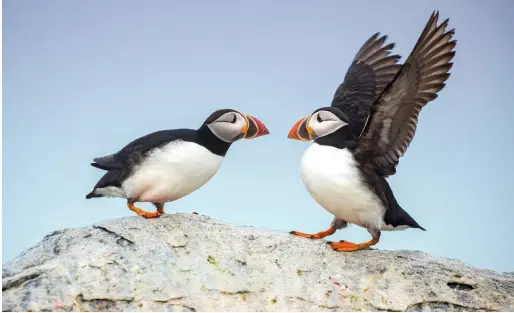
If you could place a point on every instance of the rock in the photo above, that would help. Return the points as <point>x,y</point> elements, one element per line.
<point>186,262</point>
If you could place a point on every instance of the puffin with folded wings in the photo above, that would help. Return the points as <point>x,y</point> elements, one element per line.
<point>345,168</point>
<point>167,165</point>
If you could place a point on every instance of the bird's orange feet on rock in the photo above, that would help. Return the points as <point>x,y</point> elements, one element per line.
<point>346,246</point>
<point>321,234</point>
<point>143,213</point>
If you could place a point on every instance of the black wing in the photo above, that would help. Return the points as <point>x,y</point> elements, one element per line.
<point>393,118</point>
<point>135,151</point>
<point>371,70</point>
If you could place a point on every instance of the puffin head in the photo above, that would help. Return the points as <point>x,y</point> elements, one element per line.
<point>321,123</point>
<point>230,125</point>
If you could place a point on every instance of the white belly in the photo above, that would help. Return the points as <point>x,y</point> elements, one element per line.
<point>172,172</point>
<point>333,180</point>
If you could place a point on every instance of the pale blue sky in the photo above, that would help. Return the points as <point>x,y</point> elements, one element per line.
<point>83,78</point>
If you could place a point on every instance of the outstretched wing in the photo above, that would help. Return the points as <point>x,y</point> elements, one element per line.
<point>371,70</point>
<point>134,152</point>
<point>393,118</point>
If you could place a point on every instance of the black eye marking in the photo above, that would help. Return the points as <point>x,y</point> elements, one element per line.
<point>234,119</point>
<point>319,118</point>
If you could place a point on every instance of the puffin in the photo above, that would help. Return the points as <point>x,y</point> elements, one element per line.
<point>356,146</point>
<point>167,165</point>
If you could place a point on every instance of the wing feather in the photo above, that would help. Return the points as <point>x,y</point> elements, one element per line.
<point>372,68</point>
<point>134,152</point>
<point>393,119</point>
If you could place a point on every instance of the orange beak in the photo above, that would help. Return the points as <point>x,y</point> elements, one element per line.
<point>301,131</point>
<point>255,128</point>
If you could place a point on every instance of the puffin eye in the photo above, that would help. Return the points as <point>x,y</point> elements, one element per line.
<point>234,119</point>
<point>319,118</point>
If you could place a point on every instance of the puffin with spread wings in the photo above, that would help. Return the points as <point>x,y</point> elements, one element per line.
<point>167,165</point>
<point>360,138</point>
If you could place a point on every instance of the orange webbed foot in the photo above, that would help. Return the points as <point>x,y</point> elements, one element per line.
<point>149,214</point>
<point>346,246</point>
<point>320,235</point>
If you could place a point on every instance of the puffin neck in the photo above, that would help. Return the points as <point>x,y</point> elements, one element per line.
<point>341,138</point>
<point>207,139</point>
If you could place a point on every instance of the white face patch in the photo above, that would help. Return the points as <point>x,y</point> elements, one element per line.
<point>228,126</point>
<point>324,123</point>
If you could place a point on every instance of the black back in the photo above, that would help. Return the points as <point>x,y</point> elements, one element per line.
<point>135,152</point>
<point>341,138</point>
<point>119,165</point>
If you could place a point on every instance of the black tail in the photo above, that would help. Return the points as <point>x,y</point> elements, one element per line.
<point>395,215</point>
<point>92,195</point>
<point>112,178</point>
<point>402,218</point>
<point>99,166</point>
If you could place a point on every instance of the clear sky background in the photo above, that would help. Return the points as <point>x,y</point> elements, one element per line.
<point>83,78</point>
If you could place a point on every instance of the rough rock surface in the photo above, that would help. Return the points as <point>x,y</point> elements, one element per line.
<point>186,262</point>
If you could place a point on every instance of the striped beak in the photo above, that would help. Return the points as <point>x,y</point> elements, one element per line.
<point>301,131</point>
<point>254,129</point>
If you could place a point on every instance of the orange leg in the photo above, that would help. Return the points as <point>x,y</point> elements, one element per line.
<point>143,213</point>
<point>350,246</point>
<point>321,234</point>
<point>160,208</point>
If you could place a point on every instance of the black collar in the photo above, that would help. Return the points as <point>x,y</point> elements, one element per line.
<point>341,138</point>
<point>207,139</point>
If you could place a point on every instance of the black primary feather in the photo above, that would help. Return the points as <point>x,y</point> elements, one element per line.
<point>133,153</point>
<point>393,119</point>
<point>106,163</point>
<point>371,70</point>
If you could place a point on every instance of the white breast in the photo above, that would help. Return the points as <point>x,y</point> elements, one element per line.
<point>172,172</point>
<point>333,180</point>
